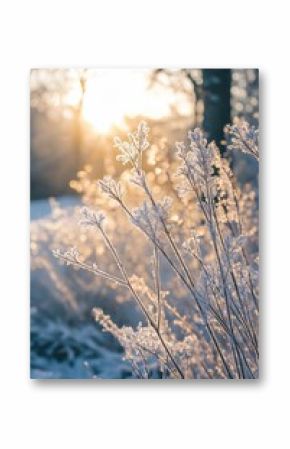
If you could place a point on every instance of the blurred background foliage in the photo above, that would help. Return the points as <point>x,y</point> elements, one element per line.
<point>76,112</point>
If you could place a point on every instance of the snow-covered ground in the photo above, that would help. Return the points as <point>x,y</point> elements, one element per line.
<point>64,342</point>
<point>42,208</point>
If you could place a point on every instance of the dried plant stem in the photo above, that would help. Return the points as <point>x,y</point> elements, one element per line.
<point>209,220</point>
<point>157,285</point>
<point>181,276</point>
<point>139,301</point>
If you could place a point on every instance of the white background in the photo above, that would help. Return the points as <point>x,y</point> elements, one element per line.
<point>128,414</point>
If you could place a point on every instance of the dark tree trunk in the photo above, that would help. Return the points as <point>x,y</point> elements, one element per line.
<point>217,99</point>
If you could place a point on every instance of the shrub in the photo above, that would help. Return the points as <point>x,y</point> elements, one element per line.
<point>198,292</point>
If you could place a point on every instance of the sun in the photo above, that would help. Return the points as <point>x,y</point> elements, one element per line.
<point>112,95</point>
<point>103,108</point>
<point>102,115</point>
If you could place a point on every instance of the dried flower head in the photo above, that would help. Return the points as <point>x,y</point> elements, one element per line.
<point>90,217</point>
<point>131,150</point>
<point>111,188</point>
<point>243,137</point>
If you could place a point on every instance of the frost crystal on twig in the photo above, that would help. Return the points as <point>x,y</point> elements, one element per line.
<point>244,138</point>
<point>147,217</point>
<point>90,217</point>
<point>71,256</point>
<point>111,187</point>
<point>131,150</point>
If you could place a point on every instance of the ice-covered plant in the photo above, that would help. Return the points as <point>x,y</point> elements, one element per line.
<point>211,329</point>
<point>243,137</point>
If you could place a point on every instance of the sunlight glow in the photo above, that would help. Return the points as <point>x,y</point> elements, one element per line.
<point>111,95</point>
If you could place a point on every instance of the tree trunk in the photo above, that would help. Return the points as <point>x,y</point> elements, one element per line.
<point>217,99</point>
